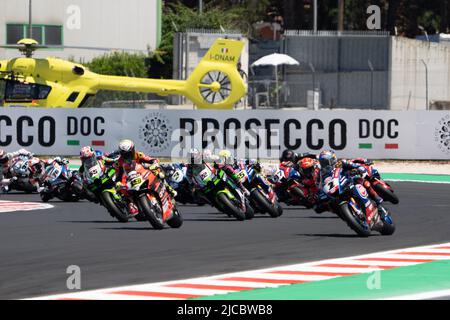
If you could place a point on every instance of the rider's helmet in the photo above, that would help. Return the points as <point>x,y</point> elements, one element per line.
<point>127,150</point>
<point>36,166</point>
<point>327,159</point>
<point>306,167</point>
<point>359,160</point>
<point>195,157</point>
<point>288,155</point>
<point>225,157</point>
<point>207,155</point>
<point>87,152</point>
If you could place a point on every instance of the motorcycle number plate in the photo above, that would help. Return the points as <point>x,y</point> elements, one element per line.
<point>55,172</point>
<point>205,174</point>
<point>136,181</point>
<point>94,171</point>
<point>278,176</point>
<point>331,186</point>
<point>177,176</point>
<point>242,175</point>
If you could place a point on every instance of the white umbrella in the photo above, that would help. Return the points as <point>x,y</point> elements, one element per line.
<point>275,59</point>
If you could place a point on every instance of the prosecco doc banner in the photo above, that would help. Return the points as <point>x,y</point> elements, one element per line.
<point>252,133</point>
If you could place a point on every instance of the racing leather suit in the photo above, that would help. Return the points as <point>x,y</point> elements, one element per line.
<point>309,184</point>
<point>5,164</point>
<point>354,171</point>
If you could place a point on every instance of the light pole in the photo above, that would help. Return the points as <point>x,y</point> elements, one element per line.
<point>426,34</point>
<point>315,16</point>
<point>426,81</point>
<point>371,82</point>
<point>200,6</point>
<point>30,26</point>
<point>341,8</point>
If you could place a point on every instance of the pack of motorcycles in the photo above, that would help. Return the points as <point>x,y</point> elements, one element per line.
<point>148,191</point>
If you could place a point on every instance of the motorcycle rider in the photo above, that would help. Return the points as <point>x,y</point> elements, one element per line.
<point>309,170</point>
<point>127,156</point>
<point>328,163</point>
<point>289,155</point>
<point>226,164</point>
<point>6,159</point>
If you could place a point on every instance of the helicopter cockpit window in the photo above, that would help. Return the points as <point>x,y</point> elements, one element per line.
<point>25,92</point>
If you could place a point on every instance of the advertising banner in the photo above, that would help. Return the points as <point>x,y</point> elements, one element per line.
<point>251,133</point>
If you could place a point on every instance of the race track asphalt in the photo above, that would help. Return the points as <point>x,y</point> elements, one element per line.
<point>36,247</point>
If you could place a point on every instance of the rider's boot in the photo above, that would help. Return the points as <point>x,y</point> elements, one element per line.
<point>132,209</point>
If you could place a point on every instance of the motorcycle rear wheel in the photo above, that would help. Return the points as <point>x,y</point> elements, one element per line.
<point>176,221</point>
<point>249,212</point>
<point>386,194</point>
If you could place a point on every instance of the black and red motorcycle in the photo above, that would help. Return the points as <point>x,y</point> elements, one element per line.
<point>383,188</point>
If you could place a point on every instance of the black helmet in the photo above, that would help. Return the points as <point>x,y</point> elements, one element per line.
<point>288,155</point>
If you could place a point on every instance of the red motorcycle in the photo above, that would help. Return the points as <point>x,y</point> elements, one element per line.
<point>373,177</point>
<point>287,186</point>
<point>148,191</point>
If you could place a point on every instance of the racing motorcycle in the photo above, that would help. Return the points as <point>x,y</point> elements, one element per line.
<point>262,199</point>
<point>153,199</point>
<point>20,174</point>
<point>179,181</point>
<point>287,186</point>
<point>339,189</point>
<point>217,189</point>
<point>381,187</point>
<point>62,183</point>
<point>99,183</point>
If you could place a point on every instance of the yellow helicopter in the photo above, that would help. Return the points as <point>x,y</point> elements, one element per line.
<point>52,82</point>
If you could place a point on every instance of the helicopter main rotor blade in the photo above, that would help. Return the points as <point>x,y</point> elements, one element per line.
<point>20,47</point>
<point>34,47</point>
<point>95,48</point>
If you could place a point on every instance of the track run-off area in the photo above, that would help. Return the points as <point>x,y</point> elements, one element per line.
<point>300,255</point>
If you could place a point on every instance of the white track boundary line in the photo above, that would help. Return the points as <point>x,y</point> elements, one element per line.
<point>419,181</point>
<point>421,295</point>
<point>13,206</point>
<point>138,287</point>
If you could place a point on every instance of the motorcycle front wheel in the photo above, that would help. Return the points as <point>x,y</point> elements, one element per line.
<point>153,213</point>
<point>388,227</point>
<point>264,203</point>
<point>347,214</point>
<point>116,210</point>
<point>229,208</point>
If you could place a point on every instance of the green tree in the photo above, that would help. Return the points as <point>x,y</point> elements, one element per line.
<point>177,17</point>
<point>118,64</point>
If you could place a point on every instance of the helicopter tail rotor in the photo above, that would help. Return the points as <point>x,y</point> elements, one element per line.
<point>216,81</point>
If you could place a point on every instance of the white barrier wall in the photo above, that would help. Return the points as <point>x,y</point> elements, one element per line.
<point>372,134</point>
<point>408,76</point>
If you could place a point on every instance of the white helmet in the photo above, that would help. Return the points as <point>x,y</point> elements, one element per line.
<point>127,149</point>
